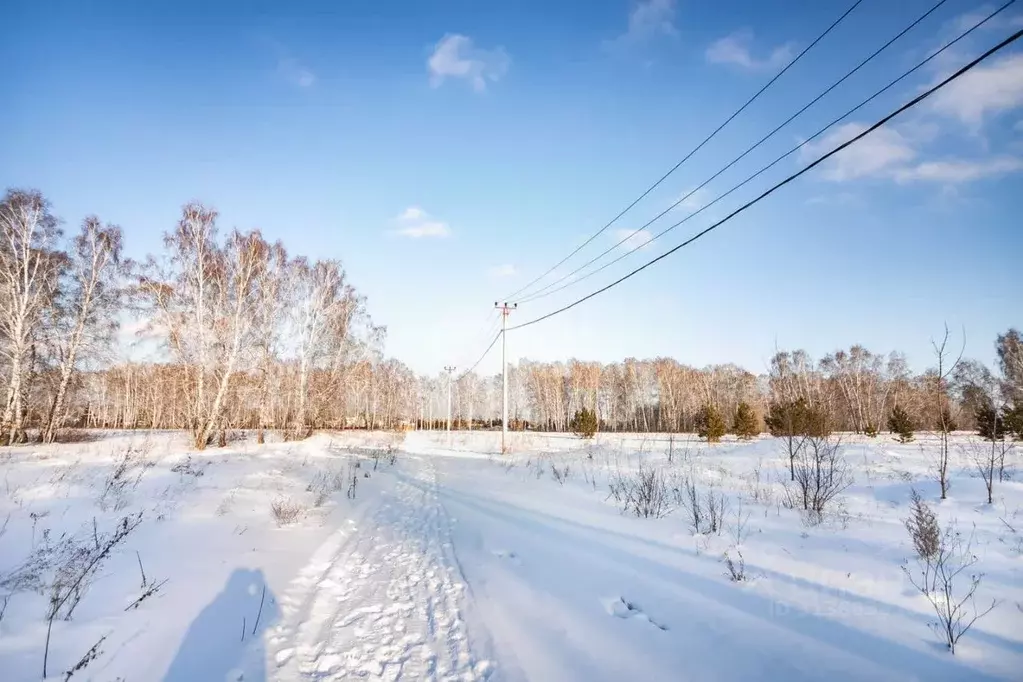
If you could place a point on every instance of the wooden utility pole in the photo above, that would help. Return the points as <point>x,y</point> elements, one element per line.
<point>505,311</point>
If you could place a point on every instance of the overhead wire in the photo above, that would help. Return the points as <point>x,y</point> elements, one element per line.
<point>697,148</point>
<point>780,158</point>
<point>905,107</point>
<point>550,287</point>
<point>483,333</point>
<point>478,361</point>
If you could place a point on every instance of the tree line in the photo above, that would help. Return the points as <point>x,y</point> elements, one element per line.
<point>251,337</point>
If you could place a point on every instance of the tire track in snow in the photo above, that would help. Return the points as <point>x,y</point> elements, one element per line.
<point>382,600</point>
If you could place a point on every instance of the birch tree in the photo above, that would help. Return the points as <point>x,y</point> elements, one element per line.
<point>29,273</point>
<point>94,294</point>
<point>202,299</point>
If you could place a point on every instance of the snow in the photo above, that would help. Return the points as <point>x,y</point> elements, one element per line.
<point>454,562</point>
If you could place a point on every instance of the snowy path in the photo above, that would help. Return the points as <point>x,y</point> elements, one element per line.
<point>382,598</point>
<point>453,567</point>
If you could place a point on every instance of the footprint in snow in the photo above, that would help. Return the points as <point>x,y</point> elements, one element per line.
<point>620,608</point>
<point>507,554</point>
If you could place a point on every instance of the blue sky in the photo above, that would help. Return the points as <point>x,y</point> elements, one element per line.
<point>449,152</point>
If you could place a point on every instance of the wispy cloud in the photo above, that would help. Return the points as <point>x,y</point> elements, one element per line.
<point>295,73</point>
<point>954,171</point>
<point>455,56</point>
<point>877,153</point>
<point>985,91</point>
<point>968,19</point>
<point>693,200</point>
<point>888,153</point>
<point>416,223</point>
<point>501,271</point>
<point>633,239</point>
<point>736,50</point>
<point>648,19</point>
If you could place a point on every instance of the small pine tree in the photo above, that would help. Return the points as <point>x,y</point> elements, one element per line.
<point>990,424</point>
<point>1014,420</point>
<point>711,424</point>
<point>946,423</point>
<point>746,425</point>
<point>900,423</point>
<point>584,423</point>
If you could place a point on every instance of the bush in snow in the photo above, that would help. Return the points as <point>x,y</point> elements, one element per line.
<point>706,512</point>
<point>821,474</point>
<point>900,423</point>
<point>736,569</point>
<point>990,422</point>
<point>746,425</point>
<point>285,511</point>
<point>645,493</point>
<point>943,559</point>
<point>584,424</point>
<point>710,424</point>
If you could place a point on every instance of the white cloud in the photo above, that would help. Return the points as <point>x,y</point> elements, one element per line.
<point>968,20</point>
<point>633,239</point>
<point>888,153</point>
<point>455,56</point>
<point>695,201</point>
<point>295,73</point>
<point>498,271</point>
<point>957,170</point>
<point>649,19</point>
<point>735,50</point>
<point>412,213</point>
<point>984,91</point>
<point>417,223</point>
<point>875,154</point>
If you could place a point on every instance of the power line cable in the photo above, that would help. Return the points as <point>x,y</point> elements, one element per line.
<point>545,291</point>
<point>476,364</point>
<point>905,107</point>
<point>491,323</point>
<point>772,164</point>
<point>690,154</point>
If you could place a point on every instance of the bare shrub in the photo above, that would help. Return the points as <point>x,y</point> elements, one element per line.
<point>560,475</point>
<point>126,476</point>
<point>645,493</point>
<point>91,655</point>
<point>285,511</point>
<point>941,559</point>
<point>736,568</point>
<point>821,475</point>
<point>327,482</point>
<point>706,512</point>
<point>738,527</point>
<point>758,490</point>
<point>65,569</point>
<point>190,468</point>
<point>989,462</point>
<point>650,496</point>
<point>618,487</point>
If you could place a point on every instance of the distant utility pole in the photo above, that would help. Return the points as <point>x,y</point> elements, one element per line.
<point>505,311</point>
<point>449,369</point>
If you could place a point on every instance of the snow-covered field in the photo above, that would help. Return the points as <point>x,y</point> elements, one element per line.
<point>448,561</point>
